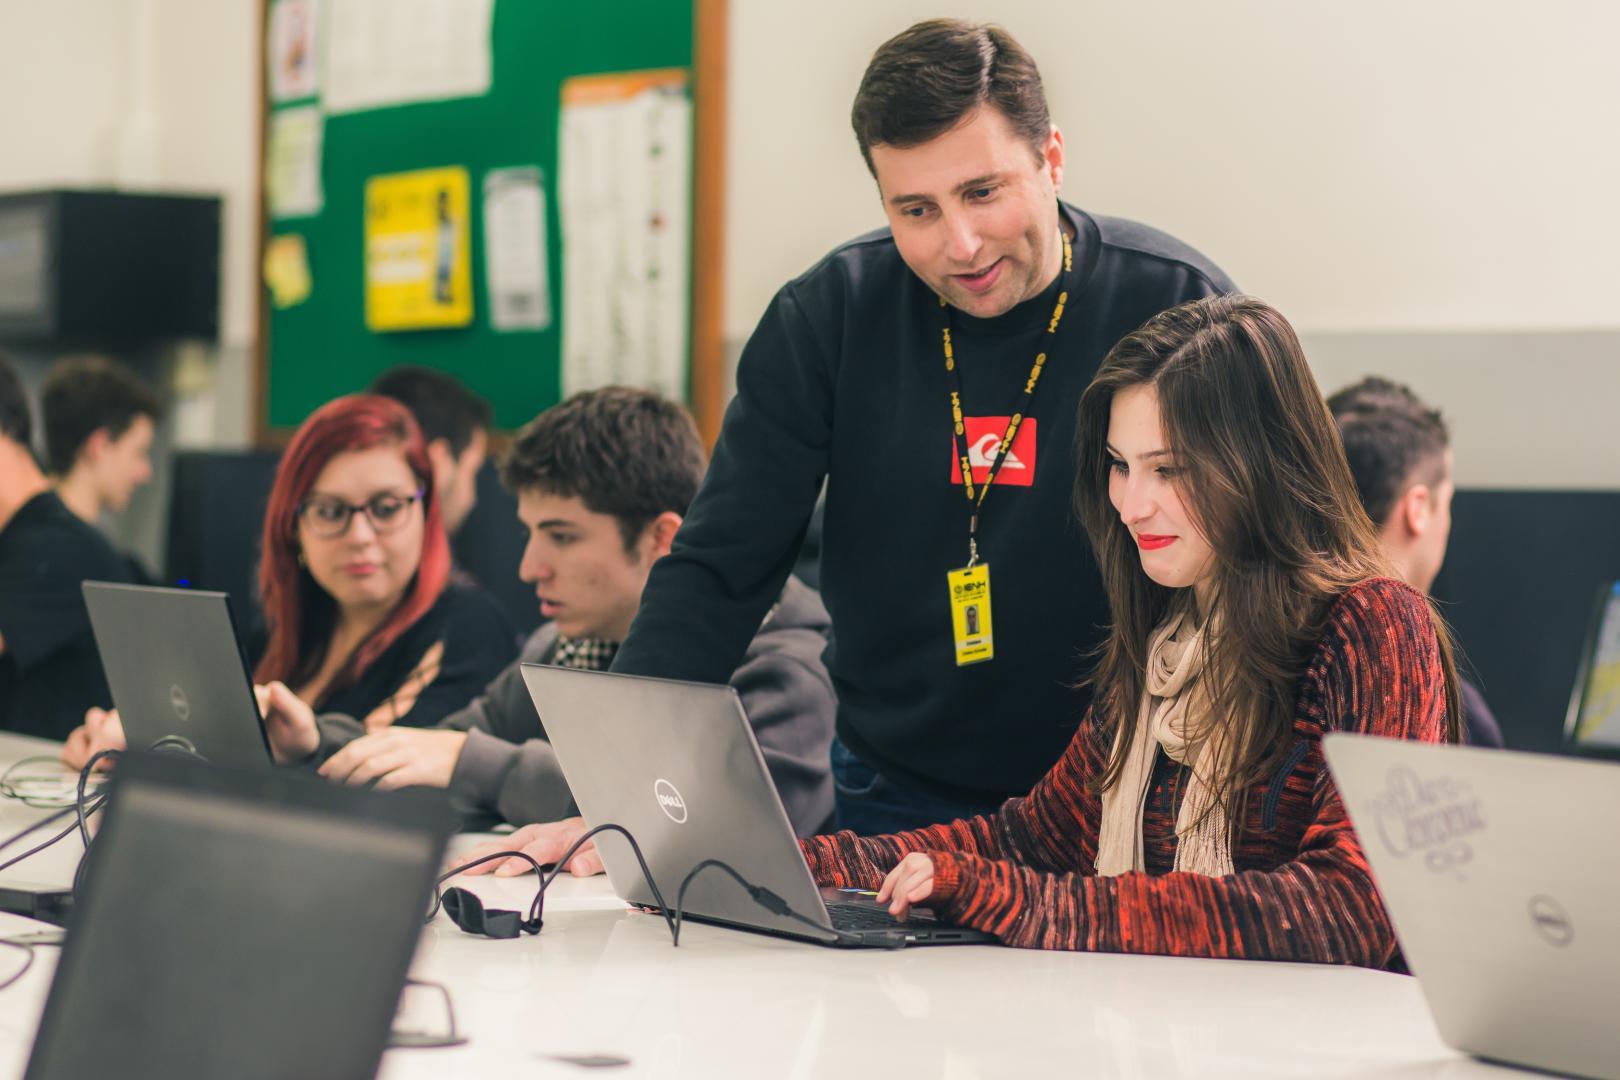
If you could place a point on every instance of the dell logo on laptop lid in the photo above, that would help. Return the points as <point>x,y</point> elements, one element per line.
<point>670,801</point>
<point>180,703</point>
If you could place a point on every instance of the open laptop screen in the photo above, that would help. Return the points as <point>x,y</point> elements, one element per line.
<point>1595,712</point>
<point>245,924</point>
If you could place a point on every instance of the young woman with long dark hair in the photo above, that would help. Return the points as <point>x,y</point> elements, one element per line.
<point>1193,813</point>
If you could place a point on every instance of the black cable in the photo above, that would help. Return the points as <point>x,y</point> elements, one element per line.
<point>10,784</point>
<point>88,810</point>
<point>36,826</point>
<point>84,779</point>
<point>27,965</point>
<point>536,907</point>
<point>762,896</point>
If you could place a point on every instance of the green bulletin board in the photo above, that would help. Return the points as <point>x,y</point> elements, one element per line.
<point>321,347</point>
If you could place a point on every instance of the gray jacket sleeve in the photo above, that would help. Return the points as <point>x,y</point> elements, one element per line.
<point>789,699</point>
<point>506,767</point>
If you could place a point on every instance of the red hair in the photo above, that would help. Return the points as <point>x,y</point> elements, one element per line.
<point>300,614</point>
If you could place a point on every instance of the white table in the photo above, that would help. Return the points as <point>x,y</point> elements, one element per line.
<point>600,979</point>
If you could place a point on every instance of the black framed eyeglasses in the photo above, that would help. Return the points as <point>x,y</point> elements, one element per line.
<point>328,516</point>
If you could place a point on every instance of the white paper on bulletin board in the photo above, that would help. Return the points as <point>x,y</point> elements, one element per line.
<point>515,249</point>
<point>294,70</point>
<point>624,188</point>
<point>292,162</point>
<point>389,52</point>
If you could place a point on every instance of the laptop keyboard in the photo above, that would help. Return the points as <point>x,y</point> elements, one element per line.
<point>871,917</point>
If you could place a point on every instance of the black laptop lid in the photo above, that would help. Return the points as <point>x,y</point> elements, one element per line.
<point>1592,725</point>
<point>176,671</point>
<point>239,924</point>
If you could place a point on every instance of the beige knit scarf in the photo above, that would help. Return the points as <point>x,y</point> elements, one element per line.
<point>1176,716</point>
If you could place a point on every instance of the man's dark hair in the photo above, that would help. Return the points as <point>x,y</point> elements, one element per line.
<point>1392,440</point>
<point>923,81</point>
<point>443,407</point>
<point>16,421</point>
<point>621,451</point>
<point>83,394</point>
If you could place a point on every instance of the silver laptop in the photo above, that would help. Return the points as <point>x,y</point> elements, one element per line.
<point>677,765</point>
<point>176,671</point>
<point>1502,877</point>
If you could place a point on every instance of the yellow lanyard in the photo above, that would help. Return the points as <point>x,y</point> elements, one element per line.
<point>976,493</point>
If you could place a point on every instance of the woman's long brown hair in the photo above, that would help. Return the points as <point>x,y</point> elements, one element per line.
<point>1264,475</point>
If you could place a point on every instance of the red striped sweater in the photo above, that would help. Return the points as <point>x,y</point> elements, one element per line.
<point>1302,889</point>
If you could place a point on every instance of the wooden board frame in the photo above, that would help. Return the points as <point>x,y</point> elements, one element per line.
<point>706,376</point>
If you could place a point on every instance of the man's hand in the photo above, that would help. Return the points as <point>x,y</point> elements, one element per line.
<point>911,882</point>
<point>542,843</point>
<point>102,730</point>
<point>289,723</point>
<point>397,757</point>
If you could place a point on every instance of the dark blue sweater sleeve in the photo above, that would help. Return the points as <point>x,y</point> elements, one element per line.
<point>705,600</point>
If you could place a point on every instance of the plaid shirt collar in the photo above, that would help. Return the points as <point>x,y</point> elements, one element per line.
<point>586,654</point>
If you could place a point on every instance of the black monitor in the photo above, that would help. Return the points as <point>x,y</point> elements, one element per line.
<point>1592,725</point>
<point>250,925</point>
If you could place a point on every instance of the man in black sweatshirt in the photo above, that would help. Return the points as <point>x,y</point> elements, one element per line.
<point>900,361</point>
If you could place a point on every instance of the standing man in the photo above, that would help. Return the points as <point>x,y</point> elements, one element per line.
<point>896,369</point>
<point>1400,454</point>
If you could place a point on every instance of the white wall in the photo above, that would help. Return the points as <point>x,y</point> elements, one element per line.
<point>63,68</point>
<point>1386,164</point>
<point>1427,188</point>
<point>144,94</point>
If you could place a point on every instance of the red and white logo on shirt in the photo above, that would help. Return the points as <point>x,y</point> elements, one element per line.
<point>983,436</point>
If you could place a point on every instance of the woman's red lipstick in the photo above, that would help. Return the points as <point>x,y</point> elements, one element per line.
<point>1149,542</point>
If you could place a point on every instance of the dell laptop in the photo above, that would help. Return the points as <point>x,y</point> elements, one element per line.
<point>1592,724</point>
<point>176,671</point>
<point>1497,872</point>
<point>676,764</point>
<point>243,924</point>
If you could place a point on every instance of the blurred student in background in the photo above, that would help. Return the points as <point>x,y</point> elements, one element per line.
<point>1400,454</point>
<point>455,424</point>
<point>50,672</point>
<point>100,419</point>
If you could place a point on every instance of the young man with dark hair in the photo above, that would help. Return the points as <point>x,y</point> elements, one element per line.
<point>50,672</point>
<point>1400,455</point>
<point>602,482</point>
<point>455,422</point>
<point>99,419</point>
<point>929,372</point>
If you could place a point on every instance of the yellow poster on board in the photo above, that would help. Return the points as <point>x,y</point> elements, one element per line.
<point>418,258</point>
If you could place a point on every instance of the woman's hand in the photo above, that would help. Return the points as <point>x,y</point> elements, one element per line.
<point>911,882</point>
<point>289,723</point>
<point>101,730</point>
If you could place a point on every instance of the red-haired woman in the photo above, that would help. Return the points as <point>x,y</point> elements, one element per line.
<point>362,615</point>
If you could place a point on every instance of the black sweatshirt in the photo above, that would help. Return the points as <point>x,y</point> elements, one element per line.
<point>844,378</point>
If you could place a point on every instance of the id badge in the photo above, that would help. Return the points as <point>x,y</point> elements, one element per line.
<point>970,614</point>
